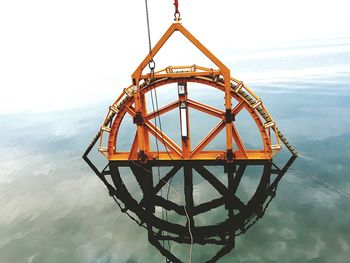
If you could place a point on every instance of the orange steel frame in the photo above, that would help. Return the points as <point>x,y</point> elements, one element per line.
<point>132,101</point>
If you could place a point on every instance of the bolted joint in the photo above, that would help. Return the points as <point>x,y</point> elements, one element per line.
<point>138,119</point>
<point>142,157</point>
<point>229,116</point>
<point>230,155</point>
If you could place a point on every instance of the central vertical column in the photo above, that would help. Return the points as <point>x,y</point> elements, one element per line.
<point>184,120</point>
<point>228,115</point>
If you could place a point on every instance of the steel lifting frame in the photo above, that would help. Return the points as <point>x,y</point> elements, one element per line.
<point>132,101</point>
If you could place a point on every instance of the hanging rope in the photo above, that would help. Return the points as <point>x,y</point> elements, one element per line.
<point>154,98</point>
<point>152,65</point>
<point>326,184</point>
<point>148,27</point>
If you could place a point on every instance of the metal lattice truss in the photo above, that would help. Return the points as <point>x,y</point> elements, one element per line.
<point>132,102</point>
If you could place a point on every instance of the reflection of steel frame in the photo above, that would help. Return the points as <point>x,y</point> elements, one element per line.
<point>132,101</point>
<point>240,216</point>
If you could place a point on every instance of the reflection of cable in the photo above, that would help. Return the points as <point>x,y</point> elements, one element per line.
<point>179,201</point>
<point>123,210</point>
<point>187,216</point>
<point>162,137</point>
<point>188,219</point>
<point>328,185</point>
<point>189,230</point>
<point>152,66</point>
<point>157,146</point>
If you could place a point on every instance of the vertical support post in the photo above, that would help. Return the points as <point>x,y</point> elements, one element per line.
<point>228,115</point>
<point>145,129</point>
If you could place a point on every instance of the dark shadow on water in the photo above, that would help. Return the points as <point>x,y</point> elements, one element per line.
<point>162,233</point>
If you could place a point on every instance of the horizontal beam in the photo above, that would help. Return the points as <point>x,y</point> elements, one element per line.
<point>180,74</point>
<point>171,163</point>
<point>202,156</point>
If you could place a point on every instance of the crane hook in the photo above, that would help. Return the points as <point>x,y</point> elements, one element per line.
<point>177,12</point>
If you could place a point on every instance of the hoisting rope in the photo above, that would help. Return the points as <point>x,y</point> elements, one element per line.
<point>151,65</point>
<point>327,185</point>
<point>331,187</point>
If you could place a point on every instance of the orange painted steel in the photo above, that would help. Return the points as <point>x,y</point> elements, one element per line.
<point>132,101</point>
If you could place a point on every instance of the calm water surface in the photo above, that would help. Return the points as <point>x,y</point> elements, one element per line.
<point>53,209</point>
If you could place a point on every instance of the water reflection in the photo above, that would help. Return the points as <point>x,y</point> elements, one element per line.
<point>175,221</point>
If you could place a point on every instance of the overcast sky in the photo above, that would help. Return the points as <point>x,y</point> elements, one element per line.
<point>69,53</point>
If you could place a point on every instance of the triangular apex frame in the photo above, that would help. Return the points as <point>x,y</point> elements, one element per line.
<point>141,109</point>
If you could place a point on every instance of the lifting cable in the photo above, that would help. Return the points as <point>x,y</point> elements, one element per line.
<point>151,65</point>
<point>321,181</point>
<point>326,184</point>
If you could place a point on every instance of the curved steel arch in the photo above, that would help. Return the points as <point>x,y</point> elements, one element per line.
<point>124,105</point>
<point>132,101</point>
